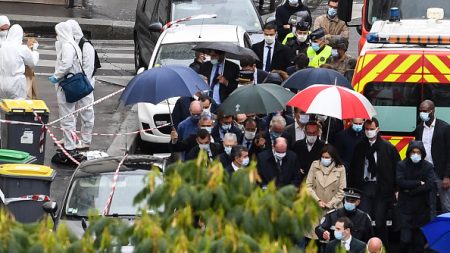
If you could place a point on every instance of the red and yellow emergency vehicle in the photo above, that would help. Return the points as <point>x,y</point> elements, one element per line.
<point>403,62</point>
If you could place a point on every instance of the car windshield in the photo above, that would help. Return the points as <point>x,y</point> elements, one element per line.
<point>409,9</point>
<point>178,53</point>
<point>92,192</point>
<point>231,12</point>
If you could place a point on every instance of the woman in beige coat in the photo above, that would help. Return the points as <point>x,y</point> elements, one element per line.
<point>326,181</point>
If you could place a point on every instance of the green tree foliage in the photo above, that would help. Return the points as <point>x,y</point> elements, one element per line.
<point>198,208</point>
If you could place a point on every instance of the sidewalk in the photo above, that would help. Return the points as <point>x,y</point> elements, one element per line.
<point>108,19</point>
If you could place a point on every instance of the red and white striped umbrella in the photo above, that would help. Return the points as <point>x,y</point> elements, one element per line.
<point>334,101</point>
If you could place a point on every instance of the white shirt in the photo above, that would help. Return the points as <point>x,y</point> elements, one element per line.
<point>367,174</point>
<point>216,94</point>
<point>427,139</point>
<point>299,132</point>
<point>235,168</point>
<point>347,243</point>
<point>266,49</point>
<point>255,77</point>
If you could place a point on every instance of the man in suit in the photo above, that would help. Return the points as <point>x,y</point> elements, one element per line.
<point>375,245</point>
<point>248,64</point>
<point>435,135</point>
<point>272,54</point>
<point>229,141</point>
<point>221,75</point>
<point>190,124</point>
<point>204,143</point>
<point>344,239</point>
<point>239,157</point>
<point>309,149</point>
<point>279,164</point>
<point>224,125</point>
<point>250,139</point>
<point>296,131</point>
<point>347,139</point>
<point>184,145</point>
<point>372,170</point>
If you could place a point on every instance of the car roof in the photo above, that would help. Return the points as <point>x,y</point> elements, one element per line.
<point>199,33</point>
<point>133,163</point>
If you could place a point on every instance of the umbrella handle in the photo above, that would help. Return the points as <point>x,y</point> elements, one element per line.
<point>328,129</point>
<point>170,113</point>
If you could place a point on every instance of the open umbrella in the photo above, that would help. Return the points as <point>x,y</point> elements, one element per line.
<point>232,51</point>
<point>437,233</point>
<point>262,98</point>
<point>158,84</point>
<point>333,101</point>
<point>310,76</point>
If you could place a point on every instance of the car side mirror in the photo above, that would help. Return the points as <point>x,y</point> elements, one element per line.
<point>50,207</point>
<point>345,10</point>
<point>155,27</point>
<point>140,70</point>
<point>359,29</point>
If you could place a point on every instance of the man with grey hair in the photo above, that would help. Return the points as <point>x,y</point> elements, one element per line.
<point>229,141</point>
<point>276,128</point>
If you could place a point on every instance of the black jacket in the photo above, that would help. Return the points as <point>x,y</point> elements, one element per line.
<point>183,145</point>
<point>215,133</point>
<point>413,197</point>
<point>215,148</point>
<point>282,15</point>
<point>230,72</point>
<point>346,141</point>
<point>225,160</point>
<point>440,147</point>
<point>356,246</point>
<point>387,159</point>
<point>261,75</point>
<point>305,157</point>
<point>268,169</point>
<point>253,149</point>
<point>336,126</point>
<point>362,224</point>
<point>281,58</point>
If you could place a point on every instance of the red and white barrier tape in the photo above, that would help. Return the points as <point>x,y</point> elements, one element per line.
<point>176,21</point>
<point>113,187</point>
<point>38,198</point>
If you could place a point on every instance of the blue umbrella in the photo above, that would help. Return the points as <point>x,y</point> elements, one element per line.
<point>306,77</point>
<point>437,233</point>
<point>158,84</point>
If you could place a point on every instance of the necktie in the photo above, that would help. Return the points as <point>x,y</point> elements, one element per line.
<point>248,144</point>
<point>268,58</point>
<point>214,80</point>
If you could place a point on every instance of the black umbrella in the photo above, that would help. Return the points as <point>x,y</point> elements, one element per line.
<point>261,99</point>
<point>306,77</point>
<point>232,51</point>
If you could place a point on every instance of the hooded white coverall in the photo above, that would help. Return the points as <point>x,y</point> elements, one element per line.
<point>14,55</point>
<point>88,59</point>
<point>4,21</point>
<point>68,60</point>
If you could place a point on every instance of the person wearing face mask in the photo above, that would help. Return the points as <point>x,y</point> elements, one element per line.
<point>248,64</point>
<point>224,124</point>
<point>298,40</point>
<point>190,124</point>
<point>330,22</point>
<point>345,241</point>
<point>276,128</point>
<point>362,224</point>
<point>229,141</point>
<point>208,105</point>
<point>309,148</point>
<point>213,150</point>
<point>319,52</point>
<point>198,61</point>
<point>279,164</point>
<point>339,59</point>
<point>283,14</point>
<point>296,131</point>
<point>415,180</point>
<point>181,109</point>
<point>372,170</point>
<point>272,54</point>
<point>325,183</point>
<point>255,144</point>
<point>240,159</point>
<point>221,75</point>
<point>435,135</point>
<point>4,27</point>
<point>14,57</point>
<point>347,139</point>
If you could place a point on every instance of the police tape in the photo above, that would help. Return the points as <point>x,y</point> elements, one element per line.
<point>14,122</point>
<point>113,187</point>
<point>38,198</point>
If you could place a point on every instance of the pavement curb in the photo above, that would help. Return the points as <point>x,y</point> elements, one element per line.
<point>97,28</point>
<point>124,143</point>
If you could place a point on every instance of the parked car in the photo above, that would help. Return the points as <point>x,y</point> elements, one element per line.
<point>90,187</point>
<point>151,15</point>
<point>174,46</point>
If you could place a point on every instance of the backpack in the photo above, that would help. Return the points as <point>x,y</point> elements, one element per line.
<point>97,64</point>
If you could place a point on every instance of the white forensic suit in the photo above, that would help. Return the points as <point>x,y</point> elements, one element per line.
<point>4,21</point>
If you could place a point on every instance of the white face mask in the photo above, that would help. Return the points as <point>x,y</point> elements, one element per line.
<point>293,2</point>
<point>250,135</point>
<point>203,146</point>
<point>302,38</point>
<point>304,118</point>
<point>311,139</point>
<point>214,61</point>
<point>279,155</point>
<point>269,39</point>
<point>334,53</point>
<point>371,133</point>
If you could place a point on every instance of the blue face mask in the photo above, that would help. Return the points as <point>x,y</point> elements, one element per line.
<point>424,116</point>
<point>357,128</point>
<point>227,150</point>
<point>332,12</point>
<point>226,127</point>
<point>415,158</point>
<point>325,161</point>
<point>349,206</point>
<point>338,235</point>
<point>315,46</point>
<point>245,161</point>
<point>275,135</point>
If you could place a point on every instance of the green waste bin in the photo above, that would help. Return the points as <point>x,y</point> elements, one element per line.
<point>14,156</point>
<point>22,184</point>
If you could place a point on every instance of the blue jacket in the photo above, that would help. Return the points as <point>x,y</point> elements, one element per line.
<point>186,128</point>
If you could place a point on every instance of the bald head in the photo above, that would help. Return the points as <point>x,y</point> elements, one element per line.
<point>196,108</point>
<point>374,245</point>
<point>280,145</point>
<point>427,105</point>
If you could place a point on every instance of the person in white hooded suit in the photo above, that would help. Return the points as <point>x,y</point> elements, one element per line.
<point>4,27</point>
<point>88,59</point>
<point>68,60</point>
<point>14,55</point>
